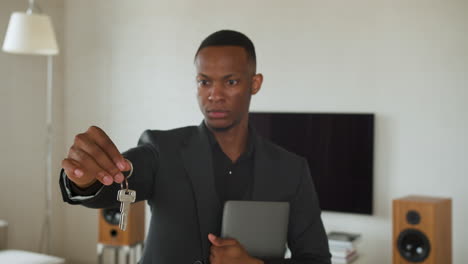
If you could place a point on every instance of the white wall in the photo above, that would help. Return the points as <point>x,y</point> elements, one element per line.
<point>129,68</point>
<point>23,135</point>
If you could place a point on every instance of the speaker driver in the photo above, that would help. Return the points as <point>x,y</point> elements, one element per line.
<point>413,217</point>
<point>111,215</point>
<point>413,245</point>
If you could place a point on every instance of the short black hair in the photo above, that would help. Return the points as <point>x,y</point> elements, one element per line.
<point>230,38</point>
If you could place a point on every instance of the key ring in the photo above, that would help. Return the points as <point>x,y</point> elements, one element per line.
<point>126,177</point>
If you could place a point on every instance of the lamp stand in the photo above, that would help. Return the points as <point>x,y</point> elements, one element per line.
<point>45,240</point>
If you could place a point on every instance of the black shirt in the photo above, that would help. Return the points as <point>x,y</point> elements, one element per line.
<point>233,180</point>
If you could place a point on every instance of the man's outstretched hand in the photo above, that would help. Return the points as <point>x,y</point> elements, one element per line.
<point>229,251</point>
<point>94,157</point>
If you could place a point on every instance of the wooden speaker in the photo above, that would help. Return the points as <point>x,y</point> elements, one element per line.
<point>422,230</point>
<point>110,233</point>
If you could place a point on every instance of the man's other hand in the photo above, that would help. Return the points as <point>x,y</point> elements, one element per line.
<point>229,251</point>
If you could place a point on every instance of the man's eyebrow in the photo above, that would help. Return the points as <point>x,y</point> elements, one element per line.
<point>224,77</point>
<point>228,76</point>
<point>203,75</point>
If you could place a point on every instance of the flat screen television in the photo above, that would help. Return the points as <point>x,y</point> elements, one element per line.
<point>339,149</point>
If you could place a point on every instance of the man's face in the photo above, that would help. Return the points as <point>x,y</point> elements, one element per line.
<point>226,80</point>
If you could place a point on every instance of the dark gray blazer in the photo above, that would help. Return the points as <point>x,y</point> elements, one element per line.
<point>173,171</point>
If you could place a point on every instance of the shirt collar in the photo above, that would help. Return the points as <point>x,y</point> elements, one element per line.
<point>250,144</point>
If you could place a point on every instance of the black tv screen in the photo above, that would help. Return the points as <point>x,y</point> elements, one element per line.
<point>339,150</point>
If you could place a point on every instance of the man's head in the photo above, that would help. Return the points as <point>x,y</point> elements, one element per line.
<point>231,38</point>
<point>226,78</point>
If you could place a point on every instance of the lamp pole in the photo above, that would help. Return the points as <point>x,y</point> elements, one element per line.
<point>45,239</point>
<point>49,144</point>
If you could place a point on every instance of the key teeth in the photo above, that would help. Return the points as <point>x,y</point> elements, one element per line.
<point>125,197</point>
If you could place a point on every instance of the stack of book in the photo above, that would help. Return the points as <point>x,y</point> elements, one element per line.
<point>343,247</point>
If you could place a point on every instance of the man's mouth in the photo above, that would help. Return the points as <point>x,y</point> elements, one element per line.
<point>217,114</point>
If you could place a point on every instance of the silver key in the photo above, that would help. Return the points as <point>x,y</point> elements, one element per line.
<point>125,197</point>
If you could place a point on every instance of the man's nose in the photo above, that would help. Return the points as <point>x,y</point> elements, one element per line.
<point>216,92</point>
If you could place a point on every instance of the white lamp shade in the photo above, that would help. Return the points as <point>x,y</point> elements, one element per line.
<point>30,34</point>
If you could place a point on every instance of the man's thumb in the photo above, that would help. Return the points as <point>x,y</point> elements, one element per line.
<point>214,240</point>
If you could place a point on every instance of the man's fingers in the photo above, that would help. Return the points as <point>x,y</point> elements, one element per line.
<point>214,250</point>
<point>221,242</point>
<point>75,173</point>
<point>90,168</point>
<point>127,165</point>
<point>84,142</point>
<point>72,168</point>
<point>213,239</point>
<point>105,143</point>
<point>93,156</point>
<point>213,259</point>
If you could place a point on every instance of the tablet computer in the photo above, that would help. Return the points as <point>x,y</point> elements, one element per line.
<point>260,227</point>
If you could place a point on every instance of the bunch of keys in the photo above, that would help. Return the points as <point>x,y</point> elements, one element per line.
<point>125,196</point>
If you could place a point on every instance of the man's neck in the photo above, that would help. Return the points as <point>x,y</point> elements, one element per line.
<point>233,142</point>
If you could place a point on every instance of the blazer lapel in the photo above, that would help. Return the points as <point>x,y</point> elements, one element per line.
<point>263,171</point>
<point>198,163</point>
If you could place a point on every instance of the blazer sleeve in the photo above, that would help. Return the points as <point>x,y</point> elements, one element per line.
<point>307,239</point>
<point>144,158</point>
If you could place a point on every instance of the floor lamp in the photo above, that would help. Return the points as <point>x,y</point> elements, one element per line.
<point>31,33</point>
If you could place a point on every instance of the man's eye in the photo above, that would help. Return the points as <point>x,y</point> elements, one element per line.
<point>233,82</point>
<point>202,82</point>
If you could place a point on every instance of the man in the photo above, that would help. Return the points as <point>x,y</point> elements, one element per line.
<point>187,174</point>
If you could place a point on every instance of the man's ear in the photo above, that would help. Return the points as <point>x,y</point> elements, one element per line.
<point>257,81</point>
